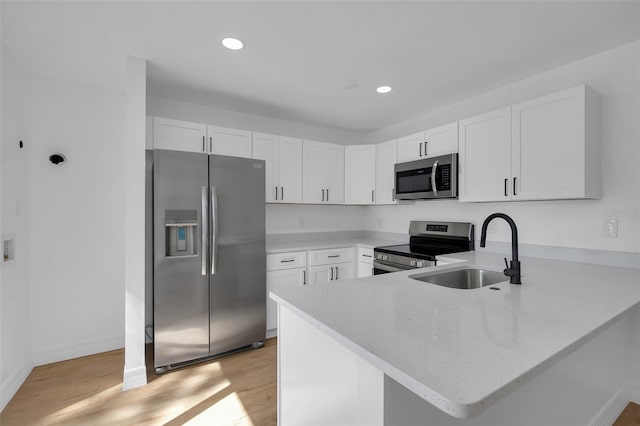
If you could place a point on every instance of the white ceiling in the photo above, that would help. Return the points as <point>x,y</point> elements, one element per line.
<point>317,62</point>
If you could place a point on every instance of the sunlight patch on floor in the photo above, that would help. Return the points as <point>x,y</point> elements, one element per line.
<point>227,411</point>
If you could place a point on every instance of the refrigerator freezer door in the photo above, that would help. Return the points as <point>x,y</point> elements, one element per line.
<point>238,286</point>
<point>181,290</point>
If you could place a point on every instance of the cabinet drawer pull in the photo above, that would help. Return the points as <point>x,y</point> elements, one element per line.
<point>366,255</point>
<point>287,261</point>
<point>334,255</point>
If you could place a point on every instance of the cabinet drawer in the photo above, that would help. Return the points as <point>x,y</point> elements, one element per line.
<point>330,256</point>
<point>365,255</point>
<point>278,261</point>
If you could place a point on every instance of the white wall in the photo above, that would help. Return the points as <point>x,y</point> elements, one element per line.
<point>615,75</point>
<point>15,320</point>
<point>284,219</point>
<point>77,234</point>
<point>135,373</point>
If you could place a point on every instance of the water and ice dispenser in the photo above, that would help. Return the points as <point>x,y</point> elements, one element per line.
<point>181,230</point>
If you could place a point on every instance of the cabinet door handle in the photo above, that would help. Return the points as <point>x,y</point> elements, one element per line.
<point>425,148</point>
<point>514,186</point>
<point>210,143</point>
<point>336,272</point>
<point>372,195</point>
<point>276,192</point>
<point>203,148</point>
<point>393,194</point>
<point>420,149</point>
<point>304,277</point>
<point>505,187</point>
<point>331,274</point>
<point>323,195</point>
<point>327,194</point>
<point>282,193</point>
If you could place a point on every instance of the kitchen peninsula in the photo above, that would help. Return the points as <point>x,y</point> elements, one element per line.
<point>561,348</point>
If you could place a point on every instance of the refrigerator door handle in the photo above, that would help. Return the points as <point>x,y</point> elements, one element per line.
<point>204,230</point>
<point>214,229</point>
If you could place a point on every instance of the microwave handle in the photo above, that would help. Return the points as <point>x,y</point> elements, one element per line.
<point>433,178</point>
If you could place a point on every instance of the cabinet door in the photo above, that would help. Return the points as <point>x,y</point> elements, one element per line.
<point>287,278</point>
<point>320,274</point>
<point>385,177</point>
<point>360,174</point>
<point>549,146</point>
<point>265,147</point>
<point>485,157</point>
<point>442,140</point>
<point>231,142</point>
<point>411,147</point>
<point>343,271</point>
<point>290,169</point>
<point>335,174</point>
<point>314,170</point>
<point>179,135</point>
<point>365,269</point>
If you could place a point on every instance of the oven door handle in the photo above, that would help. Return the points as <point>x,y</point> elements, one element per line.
<point>433,178</point>
<point>387,267</point>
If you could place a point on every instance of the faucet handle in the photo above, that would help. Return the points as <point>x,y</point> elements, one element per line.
<point>507,271</point>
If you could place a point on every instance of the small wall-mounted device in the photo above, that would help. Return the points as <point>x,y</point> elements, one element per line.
<point>57,159</point>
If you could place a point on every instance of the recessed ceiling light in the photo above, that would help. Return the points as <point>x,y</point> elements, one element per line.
<point>383,89</point>
<point>232,43</point>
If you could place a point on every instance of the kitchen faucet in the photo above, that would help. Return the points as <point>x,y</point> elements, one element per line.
<point>513,269</point>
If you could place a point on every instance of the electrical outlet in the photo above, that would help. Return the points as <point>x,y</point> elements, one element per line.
<point>610,228</point>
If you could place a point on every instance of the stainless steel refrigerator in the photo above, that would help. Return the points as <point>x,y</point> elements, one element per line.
<point>209,283</point>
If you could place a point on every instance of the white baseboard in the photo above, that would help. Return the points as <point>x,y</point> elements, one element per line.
<point>72,350</point>
<point>11,385</point>
<point>134,377</point>
<point>618,402</point>
<point>272,333</point>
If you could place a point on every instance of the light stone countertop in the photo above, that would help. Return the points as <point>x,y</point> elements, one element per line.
<point>320,244</point>
<point>460,350</point>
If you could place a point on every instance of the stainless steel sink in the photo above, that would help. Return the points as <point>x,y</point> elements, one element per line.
<point>465,279</point>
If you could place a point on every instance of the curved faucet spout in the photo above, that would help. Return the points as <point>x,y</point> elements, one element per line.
<point>513,269</point>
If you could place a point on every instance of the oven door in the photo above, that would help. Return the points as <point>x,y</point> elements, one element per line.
<point>427,178</point>
<point>380,267</point>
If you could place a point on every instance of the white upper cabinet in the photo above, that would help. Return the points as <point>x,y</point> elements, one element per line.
<point>411,147</point>
<point>556,146</point>
<point>485,157</point>
<point>179,135</point>
<point>323,173</point>
<point>441,140</point>
<point>543,149</point>
<point>385,177</point>
<point>290,169</point>
<point>437,141</point>
<point>360,174</point>
<point>231,142</point>
<point>283,174</point>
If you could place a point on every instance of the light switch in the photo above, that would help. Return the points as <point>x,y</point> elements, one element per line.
<point>610,228</point>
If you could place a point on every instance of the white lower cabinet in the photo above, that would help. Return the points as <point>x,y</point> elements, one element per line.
<point>284,270</point>
<point>365,262</point>
<point>328,273</point>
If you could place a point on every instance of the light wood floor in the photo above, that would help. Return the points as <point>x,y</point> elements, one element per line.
<point>239,389</point>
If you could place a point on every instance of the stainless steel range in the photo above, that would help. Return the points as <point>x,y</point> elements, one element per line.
<point>428,240</point>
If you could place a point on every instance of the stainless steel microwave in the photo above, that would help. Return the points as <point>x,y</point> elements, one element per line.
<point>427,178</point>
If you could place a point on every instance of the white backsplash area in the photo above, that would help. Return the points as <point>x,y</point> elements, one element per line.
<point>295,218</point>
